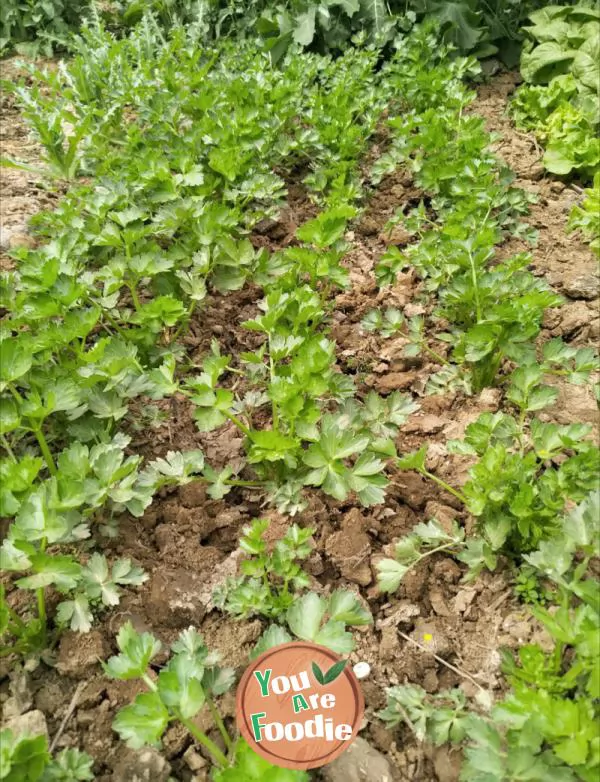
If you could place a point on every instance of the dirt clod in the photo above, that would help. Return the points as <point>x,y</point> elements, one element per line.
<point>144,765</point>
<point>360,763</point>
<point>32,723</point>
<point>80,653</point>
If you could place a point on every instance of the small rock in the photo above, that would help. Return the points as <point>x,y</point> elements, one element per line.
<point>430,681</point>
<point>52,692</point>
<point>431,636</point>
<point>360,763</point>
<point>20,240</point>
<point>574,316</point>
<point>175,739</point>
<point>361,670</point>
<point>463,599</point>
<point>382,737</point>
<point>438,602</point>
<point>144,765</point>
<point>447,763</point>
<point>350,548</point>
<point>404,613</point>
<point>193,495</point>
<point>32,723</point>
<point>398,235</point>
<point>194,759</point>
<point>21,699</point>
<point>443,514</point>
<point>518,626</point>
<point>388,647</point>
<point>86,717</point>
<point>427,424</point>
<point>80,653</point>
<point>446,571</point>
<point>557,187</point>
<point>174,597</point>
<point>489,400</point>
<point>413,489</point>
<point>393,381</point>
<point>536,172</point>
<point>368,226</point>
<point>585,286</point>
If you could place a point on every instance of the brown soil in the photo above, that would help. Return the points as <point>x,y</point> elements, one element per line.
<point>186,542</point>
<point>22,193</point>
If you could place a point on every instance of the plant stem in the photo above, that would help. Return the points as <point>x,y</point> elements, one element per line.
<point>203,739</point>
<point>38,433</point>
<point>40,594</point>
<point>41,604</point>
<point>219,723</point>
<point>149,682</point>
<point>436,356</point>
<point>185,320</point>
<point>275,414</point>
<point>444,485</point>
<point>7,447</point>
<point>234,419</point>
<point>134,296</point>
<point>475,286</point>
<point>434,551</point>
<point>45,450</point>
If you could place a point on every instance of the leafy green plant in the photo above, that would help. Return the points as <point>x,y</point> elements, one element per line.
<point>585,217</point>
<point>425,540</point>
<point>560,98</point>
<point>57,130</point>
<point>250,767</point>
<point>38,26</point>
<point>189,681</point>
<point>271,585</point>
<point>27,759</point>
<point>530,588</point>
<point>440,718</point>
<point>515,489</point>
<point>320,620</point>
<point>270,578</point>
<point>491,310</point>
<point>58,510</point>
<point>294,370</point>
<point>545,727</point>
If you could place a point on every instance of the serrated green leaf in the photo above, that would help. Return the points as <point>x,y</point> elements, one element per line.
<point>136,652</point>
<point>143,722</point>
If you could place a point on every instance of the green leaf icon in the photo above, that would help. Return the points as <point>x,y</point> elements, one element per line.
<point>331,675</point>
<point>335,670</point>
<point>319,676</point>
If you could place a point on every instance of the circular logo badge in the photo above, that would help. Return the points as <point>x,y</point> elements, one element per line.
<point>299,705</point>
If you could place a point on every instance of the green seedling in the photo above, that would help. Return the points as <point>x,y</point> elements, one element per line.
<point>270,579</point>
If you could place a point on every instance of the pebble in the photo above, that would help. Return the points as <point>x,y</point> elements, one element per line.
<point>145,765</point>
<point>32,723</point>
<point>361,670</point>
<point>359,763</point>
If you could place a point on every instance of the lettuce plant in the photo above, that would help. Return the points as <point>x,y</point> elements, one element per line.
<point>585,217</point>
<point>559,100</point>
